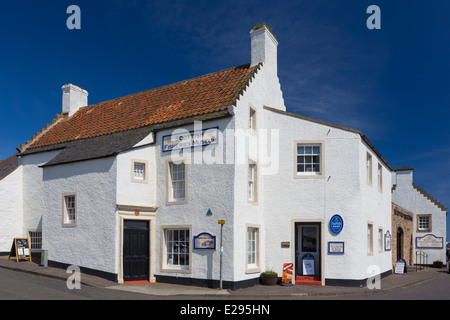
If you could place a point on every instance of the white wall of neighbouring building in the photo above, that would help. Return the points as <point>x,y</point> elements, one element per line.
<point>92,242</point>
<point>11,210</point>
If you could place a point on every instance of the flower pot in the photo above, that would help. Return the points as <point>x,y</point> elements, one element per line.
<point>437,264</point>
<point>269,279</point>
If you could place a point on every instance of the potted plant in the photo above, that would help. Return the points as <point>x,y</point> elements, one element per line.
<point>437,264</point>
<point>269,278</point>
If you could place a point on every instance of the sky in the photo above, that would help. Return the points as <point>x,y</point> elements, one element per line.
<point>391,83</point>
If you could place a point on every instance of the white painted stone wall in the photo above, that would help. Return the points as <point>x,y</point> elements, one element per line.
<point>33,189</point>
<point>407,197</point>
<point>341,191</point>
<point>11,211</point>
<point>133,192</point>
<point>263,91</point>
<point>210,186</point>
<point>93,242</point>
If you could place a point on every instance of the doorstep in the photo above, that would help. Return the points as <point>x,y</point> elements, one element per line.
<point>308,280</point>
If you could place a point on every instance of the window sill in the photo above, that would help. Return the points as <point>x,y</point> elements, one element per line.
<point>253,270</point>
<point>176,270</point>
<point>69,225</point>
<point>172,203</point>
<point>308,176</point>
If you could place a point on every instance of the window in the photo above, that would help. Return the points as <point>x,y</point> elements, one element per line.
<point>252,182</point>
<point>380,178</point>
<point>370,238</point>
<point>252,249</point>
<point>139,173</point>
<point>177,182</point>
<point>309,159</point>
<point>369,169</point>
<point>177,242</point>
<point>424,222</point>
<point>252,121</point>
<point>380,240</point>
<point>35,240</point>
<point>70,210</point>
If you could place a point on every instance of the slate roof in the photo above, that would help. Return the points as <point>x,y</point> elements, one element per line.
<point>93,148</point>
<point>8,165</point>
<point>210,94</point>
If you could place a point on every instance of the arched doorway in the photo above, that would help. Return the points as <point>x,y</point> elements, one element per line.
<point>400,243</point>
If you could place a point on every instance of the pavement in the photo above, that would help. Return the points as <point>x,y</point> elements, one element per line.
<point>391,282</point>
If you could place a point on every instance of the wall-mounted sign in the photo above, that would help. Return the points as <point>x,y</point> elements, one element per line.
<point>336,247</point>
<point>336,224</point>
<point>190,139</point>
<point>429,241</point>
<point>205,241</point>
<point>387,241</point>
<point>285,244</point>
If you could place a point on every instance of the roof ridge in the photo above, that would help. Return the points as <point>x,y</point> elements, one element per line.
<point>202,95</point>
<point>172,84</point>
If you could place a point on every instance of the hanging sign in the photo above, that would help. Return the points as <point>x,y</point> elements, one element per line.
<point>190,139</point>
<point>288,270</point>
<point>336,224</point>
<point>20,249</point>
<point>205,241</point>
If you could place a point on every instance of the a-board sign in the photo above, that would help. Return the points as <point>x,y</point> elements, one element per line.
<point>400,266</point>
<point>288,270</point>
<point>20,249</point>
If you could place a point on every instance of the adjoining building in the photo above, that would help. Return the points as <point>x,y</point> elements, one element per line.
<point>133,188</point>
<point>419,222</point>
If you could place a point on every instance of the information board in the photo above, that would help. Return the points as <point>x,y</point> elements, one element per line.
<point>20,249</point>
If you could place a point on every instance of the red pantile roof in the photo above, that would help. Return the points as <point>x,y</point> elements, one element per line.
<point>198,96</point>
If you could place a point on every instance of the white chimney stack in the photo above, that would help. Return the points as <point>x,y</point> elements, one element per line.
<point>74,98</point>
<point>264,48</point>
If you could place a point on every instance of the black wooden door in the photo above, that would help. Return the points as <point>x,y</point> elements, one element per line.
<point>136,250</point>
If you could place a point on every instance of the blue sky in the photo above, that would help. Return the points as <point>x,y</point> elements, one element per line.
<point>392,84</point>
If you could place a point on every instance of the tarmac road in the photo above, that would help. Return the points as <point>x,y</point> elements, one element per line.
<point>24,286</point>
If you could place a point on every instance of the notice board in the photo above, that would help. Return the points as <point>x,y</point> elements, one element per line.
<point>20,249</point>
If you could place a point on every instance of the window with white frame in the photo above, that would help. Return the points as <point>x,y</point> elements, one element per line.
<point>252,247</point>
<point>252,121</point>
<point>177,248</point>
<point>70,210</point>
<point>380,177</point>
<point>424,222</point>
<point>309,159</point>
<point>139,171</point>
<point>252,182</point>
<point>369,169</point>
<point>35,237</point>
<point>369,238</point>
<point>177,182</point>
<point>380,240</point>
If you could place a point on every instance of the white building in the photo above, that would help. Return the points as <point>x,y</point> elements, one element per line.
<point>133,188</point>
<point>423,238</point>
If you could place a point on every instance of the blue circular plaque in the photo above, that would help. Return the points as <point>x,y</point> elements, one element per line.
<point>336,224</point>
